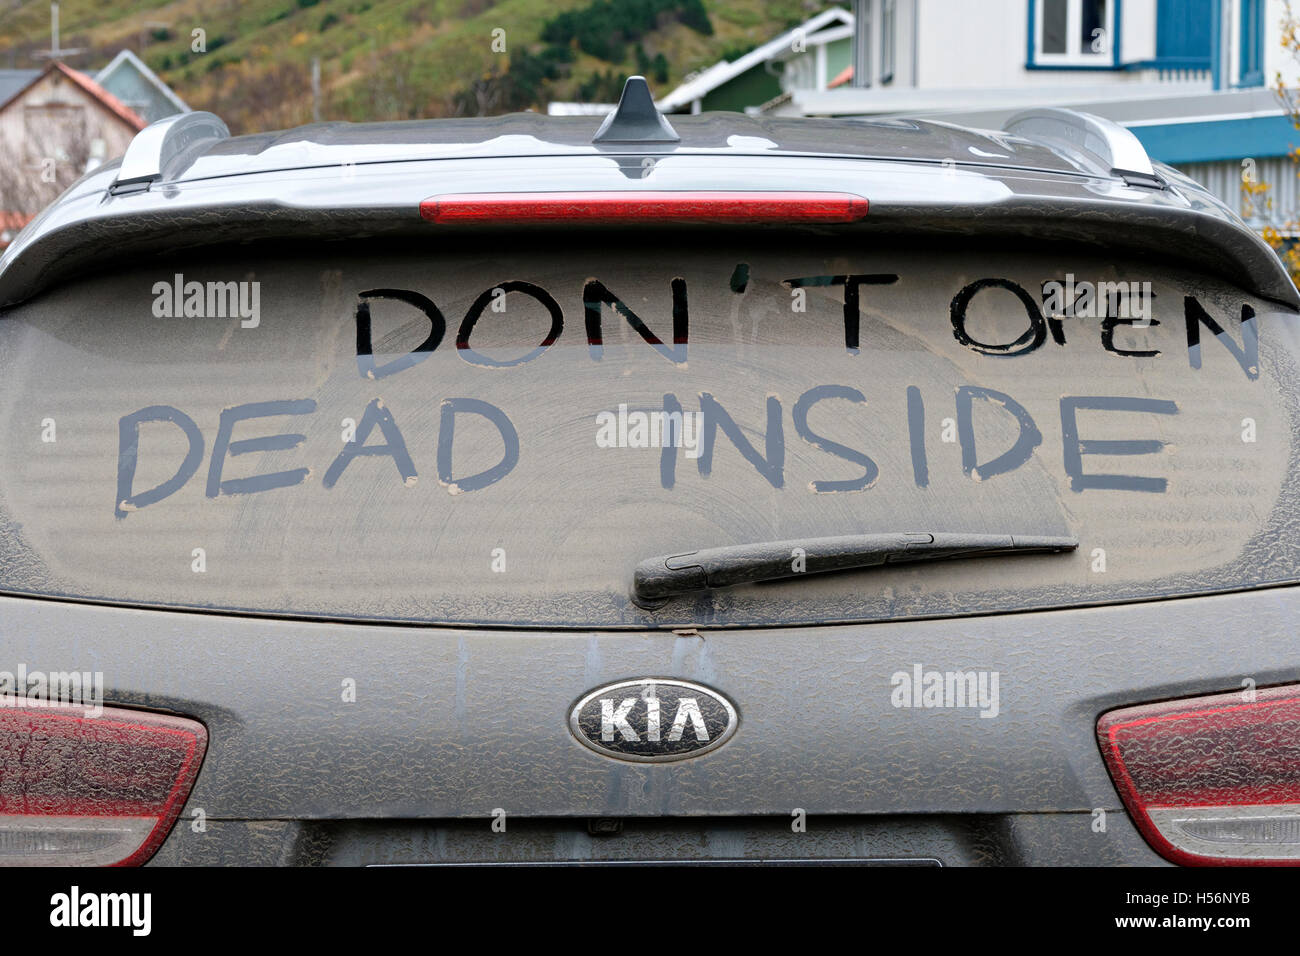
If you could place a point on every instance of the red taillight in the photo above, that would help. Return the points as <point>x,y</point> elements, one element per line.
<point>82,790</point>
<point>645,206</point>
<point>1212,780</point>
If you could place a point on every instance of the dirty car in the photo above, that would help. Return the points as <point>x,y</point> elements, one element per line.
<point>556,490</point>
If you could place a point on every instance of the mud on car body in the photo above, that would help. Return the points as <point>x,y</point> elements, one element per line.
<point>547,490</point>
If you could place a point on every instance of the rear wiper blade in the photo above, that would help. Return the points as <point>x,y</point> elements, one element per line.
<point>658,579</point>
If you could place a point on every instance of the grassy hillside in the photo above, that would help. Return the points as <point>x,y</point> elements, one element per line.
<point>397,59</point>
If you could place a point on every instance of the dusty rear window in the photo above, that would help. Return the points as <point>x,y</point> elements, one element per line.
<point>500,434</point>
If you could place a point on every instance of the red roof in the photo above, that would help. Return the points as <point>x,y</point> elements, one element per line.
<point>11,222</point>
<point>844,76</point>
<point>97,92</point>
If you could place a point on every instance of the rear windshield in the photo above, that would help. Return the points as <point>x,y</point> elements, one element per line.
<point>500,432</point>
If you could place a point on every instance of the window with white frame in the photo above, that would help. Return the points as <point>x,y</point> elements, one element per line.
<point>1073,32</point>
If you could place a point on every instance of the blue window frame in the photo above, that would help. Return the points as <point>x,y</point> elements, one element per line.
<point>1250,62</point>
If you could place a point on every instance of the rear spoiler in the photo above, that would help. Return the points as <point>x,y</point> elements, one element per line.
<point>1119,202</point>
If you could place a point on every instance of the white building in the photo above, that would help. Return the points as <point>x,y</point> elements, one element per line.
<point>955,45</point>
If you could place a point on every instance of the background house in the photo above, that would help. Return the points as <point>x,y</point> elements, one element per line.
<point>129,79</point>
<point>61,110</point>
<point>55,124</point>
<point>1047,48</point>
<point>808,57</point>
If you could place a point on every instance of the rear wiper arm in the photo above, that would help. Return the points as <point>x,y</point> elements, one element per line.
<point>658,579</point>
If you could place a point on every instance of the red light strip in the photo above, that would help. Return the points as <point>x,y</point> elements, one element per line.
<point>645,206</point>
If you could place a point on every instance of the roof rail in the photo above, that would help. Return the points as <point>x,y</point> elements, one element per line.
<point>1091,139</point>
<point>166,147</point>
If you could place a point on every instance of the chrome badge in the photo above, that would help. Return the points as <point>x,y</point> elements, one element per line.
<point>653,720</point>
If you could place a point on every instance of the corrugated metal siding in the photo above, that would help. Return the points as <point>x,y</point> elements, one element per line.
<point>1281,173</point>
